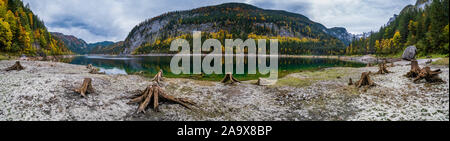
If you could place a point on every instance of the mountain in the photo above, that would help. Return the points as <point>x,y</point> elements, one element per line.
<point>424,25</point>
<point>100,44</point>
<point>75,44</point>
<point>80,46</point>
<point>22,32</point>
<point>297,33</point>
<point>341,33</point>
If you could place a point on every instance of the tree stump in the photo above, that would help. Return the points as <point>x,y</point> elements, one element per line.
<point>350,81</point>
<point>415,69</point>
<point>159,77</point>
<point>429,75</point>
<point>229,79</point>
<point>86,87</point>
<point>93,70</point>
<point>369,65</point>
<point>382,68</point>
<point>17,66</point>
<point>154,93</point>
<point>365,80</point>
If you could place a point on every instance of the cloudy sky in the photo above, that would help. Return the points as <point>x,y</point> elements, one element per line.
<point>111,20</point>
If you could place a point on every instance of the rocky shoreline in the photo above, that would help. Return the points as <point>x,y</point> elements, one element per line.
<point>43,92</point>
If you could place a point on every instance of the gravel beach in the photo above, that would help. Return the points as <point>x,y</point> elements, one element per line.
<point>43,92</point>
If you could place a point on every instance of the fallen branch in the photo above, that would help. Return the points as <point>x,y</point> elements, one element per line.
<point>86,87</point>
<point>17,66</point>
<point>154,94</point>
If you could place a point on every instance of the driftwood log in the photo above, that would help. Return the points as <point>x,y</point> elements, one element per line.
<point>382,68</point>
<point>229,79</point>
<point>365,80</point>
<point>154,93</point>
<point>86,87</point>
<point>159,77</point>
<point>415,69</point>
<point>17,66</point>
<point>429,75</point>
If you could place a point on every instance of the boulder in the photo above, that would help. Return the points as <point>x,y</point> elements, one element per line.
<point>410,53</point>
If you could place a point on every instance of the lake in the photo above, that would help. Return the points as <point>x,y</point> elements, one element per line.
<point>150,65</point>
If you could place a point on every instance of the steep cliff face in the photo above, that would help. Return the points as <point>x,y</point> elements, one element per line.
<point>237,19</point>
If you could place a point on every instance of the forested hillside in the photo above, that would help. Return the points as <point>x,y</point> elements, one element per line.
<point>425,25</point>
<point>297,33</point>
<point>22,32</point>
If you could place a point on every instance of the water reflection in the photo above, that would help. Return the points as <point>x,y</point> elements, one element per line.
<point>151,65</point>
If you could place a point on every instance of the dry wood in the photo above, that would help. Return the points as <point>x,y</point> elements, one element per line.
<point>365,80</point>
<point>93,70</point>
<point>415,69</point>
<point>350,82</point>
<point>429,75</point>
<point>159,77</point>
<point>86,87</point>
<point>229,79</point>
<point>17,66</point>
<point>155,93</point>
<point>369,65</point>
<point>382,68</point>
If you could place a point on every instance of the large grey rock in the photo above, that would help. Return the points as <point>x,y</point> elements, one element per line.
<point>410,53</point>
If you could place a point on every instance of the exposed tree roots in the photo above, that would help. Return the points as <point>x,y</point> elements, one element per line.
<point>229,79</point>
<point>415,69</point>
<point>93,70</point>
<point>17,66</point>
<point>365,80</point>
<point>154,94</point>
<point>429,75</point>
<point>86,87</point>
<point>382,68</point>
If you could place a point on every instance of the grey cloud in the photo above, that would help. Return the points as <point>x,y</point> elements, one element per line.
<point>99,20</point>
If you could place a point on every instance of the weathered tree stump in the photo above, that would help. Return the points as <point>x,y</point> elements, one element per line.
<point>159,77</point>
<point>93,70</point>
<point>429,75</point>
<point>154,94</point>
<point>415,69</point>
<point>365,80</point>
<point>229,79</point>
<point>17,66</point>
<point>369,65</point>
<point>350,81</point>
<point>86,87</point>
<point>382,68</point>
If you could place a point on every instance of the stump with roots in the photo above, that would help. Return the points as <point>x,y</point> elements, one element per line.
<point>429,75</point>
<point>365,80</point>
<point>415,69</point>
<point>230,79</point>
<point>17,66</point>
<point>154,93</point>
<point>159,77</point>
<point>93,70</point>
<point>86,87</point>
<point>369,65</point>
<point>382,68</point>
